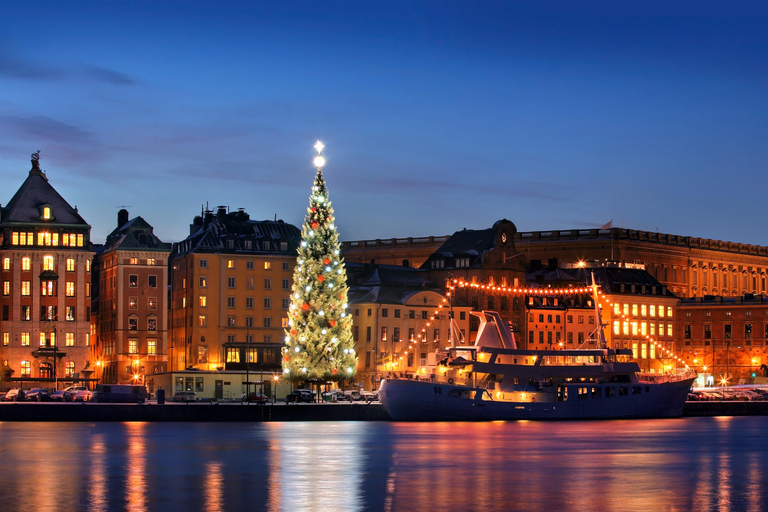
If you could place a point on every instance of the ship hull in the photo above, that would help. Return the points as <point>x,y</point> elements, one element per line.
<point>410,400</point>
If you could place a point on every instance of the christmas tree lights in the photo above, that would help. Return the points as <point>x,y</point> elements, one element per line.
<point>318,340</point>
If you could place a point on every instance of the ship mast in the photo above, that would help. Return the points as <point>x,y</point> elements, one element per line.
<point>601,342</point>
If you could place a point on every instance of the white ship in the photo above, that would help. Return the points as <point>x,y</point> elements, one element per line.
<point>494,380</point>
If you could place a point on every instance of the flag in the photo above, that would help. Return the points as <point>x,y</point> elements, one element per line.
<point>607,226</point>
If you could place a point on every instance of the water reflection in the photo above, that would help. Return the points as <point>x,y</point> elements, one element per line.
<point>685,464</point>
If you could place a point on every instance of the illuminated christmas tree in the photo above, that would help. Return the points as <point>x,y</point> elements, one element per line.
<point>318,339</point>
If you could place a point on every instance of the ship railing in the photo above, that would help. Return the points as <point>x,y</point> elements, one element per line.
<point>659,378</point>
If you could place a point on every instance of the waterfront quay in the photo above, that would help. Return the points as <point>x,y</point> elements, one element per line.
<point>239,412</point>
<point>192,412</point>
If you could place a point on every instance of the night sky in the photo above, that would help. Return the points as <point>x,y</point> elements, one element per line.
<point>436,116</point>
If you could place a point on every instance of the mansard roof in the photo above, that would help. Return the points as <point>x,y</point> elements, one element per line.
<point>229,233</point>
<point>25,207</point>
<point>471,244</point>
<point>385,284</point>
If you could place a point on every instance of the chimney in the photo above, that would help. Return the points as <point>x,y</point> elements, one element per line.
<point>122,217</point>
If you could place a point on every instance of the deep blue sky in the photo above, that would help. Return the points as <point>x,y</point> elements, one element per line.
<point>436,115</point>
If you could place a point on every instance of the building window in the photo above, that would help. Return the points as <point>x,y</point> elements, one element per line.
<point>6,263</point>
<point>267,303</point>
<point>202,321</point>
<point>25,339</point>
<point>202,355</point>
<point>70,311</point>
<point>355,332</point>
<point>150,261</point>
<point>230,282</point>
<point>286,284</point>
<point>230,263</point>
<point>203,281</point>
<point>383,334</point>
<point>133,346</point>
<point>70,264</point>
<point>152,282</point>
<point>249,321</point>
<point>267,265</point>
<point>70,289</point>
<point>231,321</point>
<point>248,264</point>
<point>203,263</point>
<point>707,332</point>
<point>267,283</point>
<point>436,335</point>
<point>152,347</point>
<point>133,280</point>
<point>134,261</point>
<point>151,324</point>
<point>747,330</point>
<point>133,302</point>
<point>26,368</point>
<point>284,247</point>
<point>233,354</point>
<point>727,331</point>
<point>69,339</point>
<point>267,322</point>
<point>6,288</point>
<point>411,334</point>
<point>230,302</point>
<point>384,313</point>
<point>26,313</point>
<point>6,339</point>
<point>133,323</point>
<point>152,303</point>
<point>286,303</point>
<point>249,283</point>
<point>26,288</point>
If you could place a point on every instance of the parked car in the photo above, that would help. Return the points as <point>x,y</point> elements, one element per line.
<point>184,396</point>
<point>369,396</point>
<point>14,395</point>
<point>353,395</point>
<point>82,396</point>
<point>300,395</point>
<point>62,395</point>
<point>37,395</point>
<point>334,395</point>
<point>75,389</point>
<point>259,398</point>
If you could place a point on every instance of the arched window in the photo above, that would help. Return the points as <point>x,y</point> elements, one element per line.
<point>48,263</point>
<point>26,368</point>
<point>69,369</point>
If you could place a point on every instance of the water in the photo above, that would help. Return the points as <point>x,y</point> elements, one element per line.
<point>661,465</point>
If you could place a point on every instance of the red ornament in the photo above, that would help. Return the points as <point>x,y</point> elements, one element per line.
<point>326,261</point>
<point>293,332</point>
<point>334,371</point>
<point>305,306</point>
<point>332,323</point>
<point>314,209</point>
<point>286,359</point>
<point>314,225</point>
<point>321,278</point>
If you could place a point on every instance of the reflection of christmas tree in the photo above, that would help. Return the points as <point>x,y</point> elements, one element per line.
<point>318,340</point>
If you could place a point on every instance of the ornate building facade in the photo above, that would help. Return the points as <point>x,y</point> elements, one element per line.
<point>46,252</point>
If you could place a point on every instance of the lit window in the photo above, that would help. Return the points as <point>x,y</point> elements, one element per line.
<point>203,301</point>
<point>26,287</point>
<point>25,339</point>
<point>26,368</point>
<point>669,311</point>
<point>203,281</point>
<point>6,339</point>
<point>634,309</point>
<point>152,303</point>
<point>661,311</point>
<point>134,261</point>
<point>233,355</point>
<point>133,303</point>
<point>69,339</point>
<point>26,263</point>
<point>267,265</point>
<point>6,263</point>
<point>133,346</point>
<point>48,263</point>
<point>151,347</point>
<point>46,213</point>
<point>70,313</point>
<point>80,240</point>
<point>87,340</point>
<point>69,369</point>
<point>133,280</point>
<point>43,341</point>
<point>70,289</point>
<point>669,330</point>
<point>6,288</point>
<point>70,264</point>
<point>230,263</point>
<point>616,309</point>
<point>625,327</point>
<point>150,261</point>
<point>87,265</point>
<point>201,321</point>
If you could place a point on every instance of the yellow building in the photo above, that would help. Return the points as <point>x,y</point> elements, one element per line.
<point>399,321</point>
<point>230,292</point>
